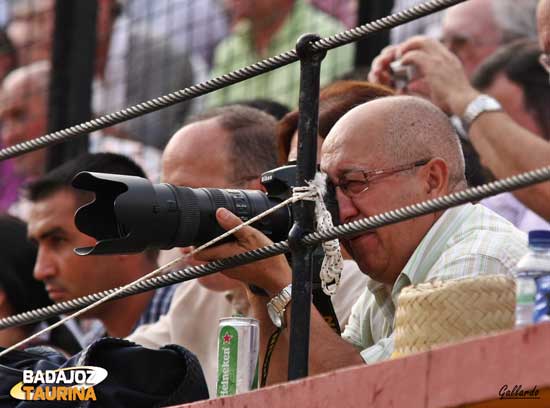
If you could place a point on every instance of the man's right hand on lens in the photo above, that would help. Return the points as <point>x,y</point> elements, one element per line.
<point>271,274</point>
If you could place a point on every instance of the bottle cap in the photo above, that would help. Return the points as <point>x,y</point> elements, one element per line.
<point>539,238</point>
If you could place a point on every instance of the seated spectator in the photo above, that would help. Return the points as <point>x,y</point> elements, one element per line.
<point>67,275</point>
<point>239,143</point>
<point>30,28</point>
<point>23,113</point>
<point>474,29</point>
<point>20,292</point>
<point>514,77</point>
<point>494,135</point>
<point>263,31</point>
<point>127,68</point>
<point>383,155</point>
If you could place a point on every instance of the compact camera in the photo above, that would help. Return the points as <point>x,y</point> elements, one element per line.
<point>402,74</point>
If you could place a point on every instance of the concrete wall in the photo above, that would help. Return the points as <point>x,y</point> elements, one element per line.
<point>466,374</point>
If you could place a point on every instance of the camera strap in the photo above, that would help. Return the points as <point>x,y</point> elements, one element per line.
<point>321,300</point>
<point>269,352</point>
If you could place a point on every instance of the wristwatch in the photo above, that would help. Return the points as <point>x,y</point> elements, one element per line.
<point>481,104</point>
<point>276,307</point>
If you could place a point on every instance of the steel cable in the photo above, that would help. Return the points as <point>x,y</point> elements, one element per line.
<point>390,217</point>
<point>233,77</point>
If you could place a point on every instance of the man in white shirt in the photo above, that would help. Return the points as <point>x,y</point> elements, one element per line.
<point>382,155</point>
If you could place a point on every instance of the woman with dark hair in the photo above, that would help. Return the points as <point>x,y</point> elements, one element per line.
<point>19,291</point>
<point>335,100</point>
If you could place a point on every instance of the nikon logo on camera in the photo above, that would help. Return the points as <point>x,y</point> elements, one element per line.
<point>66,384</point>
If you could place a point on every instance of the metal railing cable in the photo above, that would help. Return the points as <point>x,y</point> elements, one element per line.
<point>365,224</point>
<point>225,80</point>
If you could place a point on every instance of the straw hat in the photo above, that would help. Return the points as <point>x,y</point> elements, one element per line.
<point>442,312</point>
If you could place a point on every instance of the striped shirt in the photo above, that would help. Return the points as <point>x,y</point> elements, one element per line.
<point>281,85</point>
<point>465,241</point>
<point>158,306</point>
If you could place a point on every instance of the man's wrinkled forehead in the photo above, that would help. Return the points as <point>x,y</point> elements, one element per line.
<point>344,152</point>
<point>355,136</point>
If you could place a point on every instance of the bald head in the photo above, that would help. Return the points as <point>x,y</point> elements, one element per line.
<point>401,129</point>
<point>196,152</point>
<point>34,77</point>
<point>543,25</point>
<point>23,112</point>
<point>225,145</point>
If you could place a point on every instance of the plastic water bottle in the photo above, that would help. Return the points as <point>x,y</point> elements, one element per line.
<point>533,281</point>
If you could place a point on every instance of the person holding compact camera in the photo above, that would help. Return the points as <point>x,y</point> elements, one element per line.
<point>381,155</point>
<point>504,147</point>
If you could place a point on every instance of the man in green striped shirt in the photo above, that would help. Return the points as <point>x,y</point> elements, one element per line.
<point>265,29</point>
<point>383,155</point>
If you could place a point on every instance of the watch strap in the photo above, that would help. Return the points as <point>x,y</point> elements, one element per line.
<point>481,104</point>
<point>280,302</point>
<point>283,298</point>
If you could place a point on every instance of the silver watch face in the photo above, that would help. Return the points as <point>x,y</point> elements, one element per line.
<point>274,316</point>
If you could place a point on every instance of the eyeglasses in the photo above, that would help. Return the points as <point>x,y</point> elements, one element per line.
<point>544,60</point>
<point>456,42</point>
<point>355,182</point>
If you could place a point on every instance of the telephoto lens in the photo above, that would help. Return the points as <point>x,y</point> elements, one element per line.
<point>130,214</point>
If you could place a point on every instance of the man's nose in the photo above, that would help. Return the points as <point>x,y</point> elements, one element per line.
<point>44,267</point>
<point>347,209</point>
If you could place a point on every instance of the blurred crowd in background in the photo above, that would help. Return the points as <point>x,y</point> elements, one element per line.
<point>144,49</point>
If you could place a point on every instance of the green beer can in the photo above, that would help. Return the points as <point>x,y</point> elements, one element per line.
<point>238,355</point>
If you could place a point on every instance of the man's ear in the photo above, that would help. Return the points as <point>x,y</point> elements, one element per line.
<point>436,173</point>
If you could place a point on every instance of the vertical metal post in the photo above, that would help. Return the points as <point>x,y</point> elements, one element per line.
<point>368,48</point>
<point>73,57</point>
<point>310,68</point>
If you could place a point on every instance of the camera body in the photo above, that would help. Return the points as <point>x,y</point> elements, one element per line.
<point>130,214</point>
<point>402,74</point>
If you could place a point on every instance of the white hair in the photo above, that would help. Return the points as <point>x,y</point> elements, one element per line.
<point>516,18</point>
